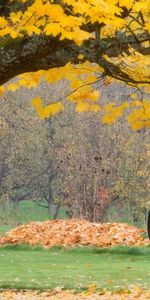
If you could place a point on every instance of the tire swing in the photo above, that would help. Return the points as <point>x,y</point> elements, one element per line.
<point>148,224</point>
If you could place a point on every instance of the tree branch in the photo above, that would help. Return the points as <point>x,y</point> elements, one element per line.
<point>37,203</point>
<point>34,53</point>
<point>31,54</point>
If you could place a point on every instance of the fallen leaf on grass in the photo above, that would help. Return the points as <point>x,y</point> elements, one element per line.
<point>90,294</point>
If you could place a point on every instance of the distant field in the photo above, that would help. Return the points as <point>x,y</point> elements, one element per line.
<point>26,212</point>
<point>4,229</point>
<point>29,211</point>
<point>23,267</point>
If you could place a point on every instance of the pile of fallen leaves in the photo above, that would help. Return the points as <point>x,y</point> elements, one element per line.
<point>133,294</point>
<point>74,233</point>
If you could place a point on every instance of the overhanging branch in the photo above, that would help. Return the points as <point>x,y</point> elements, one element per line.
<point>31,54</point>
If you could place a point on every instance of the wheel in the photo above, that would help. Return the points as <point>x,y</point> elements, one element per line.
<point>148,224</point>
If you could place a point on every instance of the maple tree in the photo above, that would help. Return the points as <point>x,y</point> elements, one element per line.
<point>85,42</point>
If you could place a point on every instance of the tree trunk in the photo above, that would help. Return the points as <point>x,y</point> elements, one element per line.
<point>148,224</point>
<point>56,211</point>
<point>53,209</point>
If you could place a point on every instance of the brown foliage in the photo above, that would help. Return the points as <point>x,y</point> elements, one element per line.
<point>74,233</point>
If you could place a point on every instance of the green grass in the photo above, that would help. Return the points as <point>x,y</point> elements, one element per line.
<point>4,229</point>
<point>125,215</point>
<point>27,211</point>
<point>115,268</point>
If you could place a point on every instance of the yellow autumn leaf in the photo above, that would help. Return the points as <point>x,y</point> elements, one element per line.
<point>9,31</point>
<point>136,103</point>
<point>48,110</point>
<point>94,95</point>
<point>74,84</point>
<point>3,22</point>
<point>14,34</point>
<point>126,3</point>
<point>12,87</point>
<point>54,74</point>
<point>55,12</point>
<point>52,29</point>
<point>1,90</point>
<point>91,290</point>
<point>51,110</point>
<point>134,96</point>
<point>80,56</point>
<point>36,101</point>
<point>82,107</point>
<point>95,108</point>
<point>30,29</point>
<point>112,113</point>
<point>15,17</point>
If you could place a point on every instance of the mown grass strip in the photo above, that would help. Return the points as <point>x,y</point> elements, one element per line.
<point>23,267</point>
<point>125,250</point>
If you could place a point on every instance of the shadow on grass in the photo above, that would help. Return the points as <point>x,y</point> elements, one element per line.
<point>125,250</point>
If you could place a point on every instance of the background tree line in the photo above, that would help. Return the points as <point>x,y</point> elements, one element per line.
<point>95,171</point>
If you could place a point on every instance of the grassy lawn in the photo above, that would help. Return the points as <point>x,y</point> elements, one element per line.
<point>4,229</point>
<point>23,267</point>
<point>27,211</point>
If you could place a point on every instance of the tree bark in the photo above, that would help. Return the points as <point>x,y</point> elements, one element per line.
<point>148,224</point>
<point>30,54</point>
<point>34,53</point>
<point>53,209</point>
<point>57,208</point>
